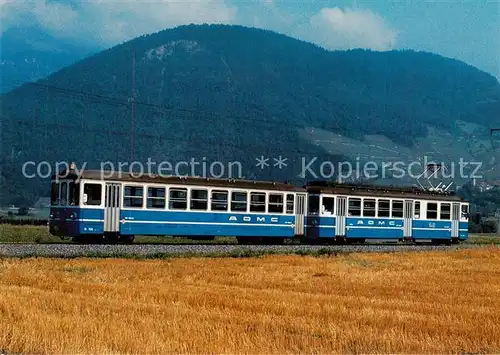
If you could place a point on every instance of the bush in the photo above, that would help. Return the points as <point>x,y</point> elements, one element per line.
<point>24,222</point>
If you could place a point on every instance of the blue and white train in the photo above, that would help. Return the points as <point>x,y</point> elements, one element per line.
<point>115,206</point>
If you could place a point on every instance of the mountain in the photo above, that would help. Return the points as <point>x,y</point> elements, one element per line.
<point>233,94</point>
<point>29,54</point>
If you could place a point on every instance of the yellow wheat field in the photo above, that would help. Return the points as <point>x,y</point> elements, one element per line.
<point>430,302</point>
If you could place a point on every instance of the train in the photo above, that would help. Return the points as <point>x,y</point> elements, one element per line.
<point>113,206</point>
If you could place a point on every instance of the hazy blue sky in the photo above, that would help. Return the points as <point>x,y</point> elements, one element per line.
<point>466,30</point>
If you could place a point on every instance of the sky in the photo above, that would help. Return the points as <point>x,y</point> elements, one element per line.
<point>464,30</point>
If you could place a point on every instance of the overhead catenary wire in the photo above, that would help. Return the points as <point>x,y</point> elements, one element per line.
<point>165,109</point>
<point>162,139</point>
<point>162,110</point>
<point>157,109</point>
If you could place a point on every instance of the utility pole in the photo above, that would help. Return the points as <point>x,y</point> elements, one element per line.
<point>493,130</point>
<point>132,113</point>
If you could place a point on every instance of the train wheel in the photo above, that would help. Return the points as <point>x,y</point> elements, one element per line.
<point>244,240</point>
<point>272,241</point>
<point>308,241</point>
<point>340,240</point>
<point>355,241</point>
<point>441,241</point>
<point>79,239</point>
<point>112,238</point>
<point>88,239</point>
<point>127,239</point>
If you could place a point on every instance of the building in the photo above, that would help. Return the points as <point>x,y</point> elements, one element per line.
<point>42,202</point>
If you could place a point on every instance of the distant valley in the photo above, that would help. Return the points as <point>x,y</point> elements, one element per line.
<point>29,54</point>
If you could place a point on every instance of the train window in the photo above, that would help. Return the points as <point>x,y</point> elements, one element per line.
<point>199,199</point>
<point>465,211</point>
<point>93,193</point>
<point>219,200</point>
<point>74,194</point>
<point>432,211</point>
<point>313,204</point>
<point>354,207</point>
<point>239,201</point>
<point>397,209</point>
<point>369,207</point>
<point>156,197</point>
<point>417,210</point>
<point>257,202</point>
<point>328,205</point>
<point>290,202</point>
<point>276,203</point>
<point>54,194</point>
<point>384,208</point>
<point>177,199</point>
<point>445,211</point>
<point>133,196</point>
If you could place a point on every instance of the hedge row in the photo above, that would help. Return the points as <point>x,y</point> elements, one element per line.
<point>24,222</point>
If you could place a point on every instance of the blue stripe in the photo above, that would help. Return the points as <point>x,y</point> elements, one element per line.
<point>144,222</point>
<point>207,229</point>
<point>205,223</point>
<point>374,222</point>
<point>209,217</point>
<point>432,234</point>
<point>418,223</point>
<point>374,233</point>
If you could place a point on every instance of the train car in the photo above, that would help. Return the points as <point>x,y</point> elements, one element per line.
<point>88,207</point>
<point>355,213</point>
<point>97,205</point>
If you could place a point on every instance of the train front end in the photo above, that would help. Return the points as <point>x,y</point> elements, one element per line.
<point>64,220</point>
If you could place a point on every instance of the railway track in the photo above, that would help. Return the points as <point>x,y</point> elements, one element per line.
<point>151,250</point>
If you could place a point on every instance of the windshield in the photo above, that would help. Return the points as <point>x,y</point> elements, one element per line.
<point>54,194</point>
<point>65,193</point>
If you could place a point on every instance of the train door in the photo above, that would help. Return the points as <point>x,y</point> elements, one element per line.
<point>300,211</point>
<point>408,219</point>
<point>455,220</point>
<point>112,208</point>
<point>341,216</point>
<point>327,214</point>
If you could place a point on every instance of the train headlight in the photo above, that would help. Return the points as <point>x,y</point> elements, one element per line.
<point>73,215</point>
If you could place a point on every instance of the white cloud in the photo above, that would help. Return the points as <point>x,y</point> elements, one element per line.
<point>109,22</point>
<point>14,13</point>
<point>331,28</point>
<point>267,3</point>
<point>130,19</point>
<point>336,28</point>
<point>55,16</point>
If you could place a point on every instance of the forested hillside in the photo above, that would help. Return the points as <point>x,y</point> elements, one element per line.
<point>231,93</point>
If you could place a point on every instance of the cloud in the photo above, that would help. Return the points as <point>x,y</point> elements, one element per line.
<point>331,28</point>
<point>268,16</point>
<point>55,16</point>
<point>109,22</point>
<point>336,28</point>
<point>267,3</point>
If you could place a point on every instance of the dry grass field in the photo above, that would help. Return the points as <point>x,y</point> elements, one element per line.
<point>427,302</point>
